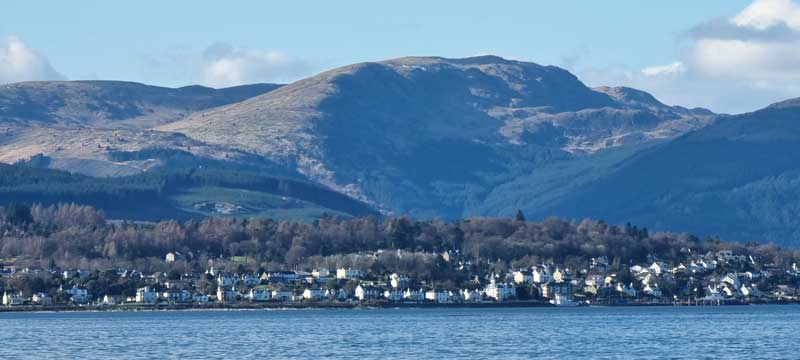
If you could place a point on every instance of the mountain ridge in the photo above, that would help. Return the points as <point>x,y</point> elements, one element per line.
<point>475,103</point>
<point>435,137</point>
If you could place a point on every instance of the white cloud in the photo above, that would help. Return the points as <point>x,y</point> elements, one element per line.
<point>18,62</point>
<point>736,64</point>
<point>760,44</point>
<point>223,65</point>
<point>764,14</point>
<point>772,62</point>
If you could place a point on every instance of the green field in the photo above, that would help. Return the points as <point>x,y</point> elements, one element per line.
<point>219,201</point>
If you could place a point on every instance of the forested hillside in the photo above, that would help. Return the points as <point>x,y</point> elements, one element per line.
<point>167,193</point>
<point>738,178</point>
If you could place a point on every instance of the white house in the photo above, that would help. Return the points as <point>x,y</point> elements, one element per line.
<point>398,281</point>
<point>78,295</point>
<point>626,290</point>
<point>727,290</point>
<point>713,293</point>
<point>639,271</point>
<point>176,284</point>
<point>313,294</point>
<point>366,293</point>
<point>594,280</point>
<point>653,291</point>
<point>256,295</point>
<point>500,292</point>
<point>599,263</point>
<point>523,277</point>
<point>471,295</point>
<point>226,280</point>
<point>321,273</point>
<point>281,295</point>
<point>42,299</point>
<point>680,269</point>
<point>174,296</point>
<point>750,291</point>
<point>250,280</point>
<point>549,290</point>
<point>349,274</point>
<point>393,295</point>
<point>657,268</point>
<point>172,257</point>
<point>541,275</point>
<point>752,275</point>
<point>225,294</point>
<point>732,280</point>
<point>440,297</point>
<point>414,295</point>
<point>560,275</point>
<point>12,299</point>
<point>146,295</point>
<point>282,276</point>
<point>112,300</point>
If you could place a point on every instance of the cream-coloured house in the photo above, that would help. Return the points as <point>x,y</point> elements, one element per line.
<point>349,274</point>
<point>146,295</point>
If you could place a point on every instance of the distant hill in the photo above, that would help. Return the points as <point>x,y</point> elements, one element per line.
<point>77,123</point>
<point>111,103</point>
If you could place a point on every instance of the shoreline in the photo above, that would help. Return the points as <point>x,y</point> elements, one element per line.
<point>341,306</point>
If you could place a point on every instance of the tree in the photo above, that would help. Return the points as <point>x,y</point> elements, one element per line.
<point>174,274</point>
<point>400,233</point>
<point>520,216</point>
<point>18,214</point>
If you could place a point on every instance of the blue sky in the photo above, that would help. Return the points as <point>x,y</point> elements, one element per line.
<point>667,48</point>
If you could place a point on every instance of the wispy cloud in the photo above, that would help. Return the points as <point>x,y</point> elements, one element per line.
<point>19,62</point>
<point>669,69</point>
<point>223,64</point>
<point>226,65</point>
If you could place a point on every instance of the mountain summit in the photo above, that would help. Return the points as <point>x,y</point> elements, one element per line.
<point>399,133</point>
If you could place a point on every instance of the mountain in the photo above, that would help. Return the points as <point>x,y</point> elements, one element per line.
<point>430,136</point>
<point>101,128</point>
<point>421,136</point>
<point>738,178</point>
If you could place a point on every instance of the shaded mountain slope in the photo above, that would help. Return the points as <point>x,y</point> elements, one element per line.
<point>737,178</point>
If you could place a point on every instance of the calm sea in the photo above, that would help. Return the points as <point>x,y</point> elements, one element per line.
<point>733,332</point>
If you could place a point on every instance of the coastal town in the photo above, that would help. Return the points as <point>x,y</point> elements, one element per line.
<point>713,278</point>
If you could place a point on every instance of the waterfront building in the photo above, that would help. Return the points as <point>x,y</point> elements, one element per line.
<point>146,295</point>
<point>349,274</point>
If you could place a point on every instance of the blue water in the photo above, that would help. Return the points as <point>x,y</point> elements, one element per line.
<point>733,332</point>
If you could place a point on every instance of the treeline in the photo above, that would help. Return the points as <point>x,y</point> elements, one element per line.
<point>76,234</point>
